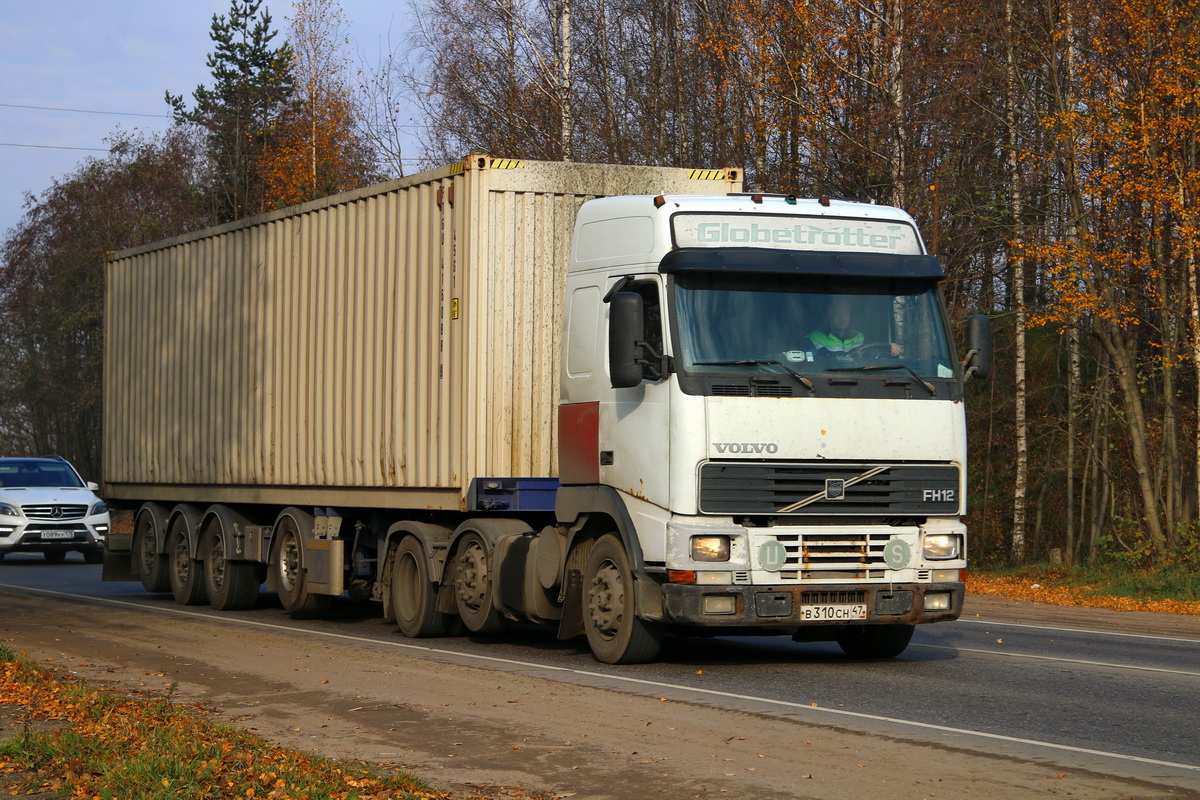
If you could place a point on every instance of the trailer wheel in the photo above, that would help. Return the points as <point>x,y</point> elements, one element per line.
<point>473,587</point>
<point>187,584</point>
<point>414,597</point>
<point>875,641</point>
<point>231,585</point>
<point>152,565</point>
<point>290,578</point>
<point>614,632</point>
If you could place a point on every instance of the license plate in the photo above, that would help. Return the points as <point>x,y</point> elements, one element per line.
<point>57,535</point>
<point>834,612</point>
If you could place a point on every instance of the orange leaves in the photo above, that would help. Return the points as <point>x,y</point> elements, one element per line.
<point>115,746</point>
<point>1052,588</point>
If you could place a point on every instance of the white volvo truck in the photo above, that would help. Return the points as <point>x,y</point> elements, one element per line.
<point>705,412</point>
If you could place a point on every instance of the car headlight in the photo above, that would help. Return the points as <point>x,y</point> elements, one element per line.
<point>7,510</point>
<point>99,508</point>
<point>710,548</point>
<point>942,546</point>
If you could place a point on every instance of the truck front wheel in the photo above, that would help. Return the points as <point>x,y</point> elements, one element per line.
<point>614,632</point>
<point>875,641</point>
<point>414,597</point>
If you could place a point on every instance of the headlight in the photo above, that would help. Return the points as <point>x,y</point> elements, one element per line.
<point>7,510</point>
<point>942,546</point>
<point>710,548</point>
<point>99,508</point>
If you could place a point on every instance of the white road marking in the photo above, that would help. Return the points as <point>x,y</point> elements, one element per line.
<point>1055,658</point>
<point>1093,632</point>
<point>623,679</point>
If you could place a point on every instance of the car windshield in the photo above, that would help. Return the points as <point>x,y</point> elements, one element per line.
<point>810,324</point>
<point>33,473</point>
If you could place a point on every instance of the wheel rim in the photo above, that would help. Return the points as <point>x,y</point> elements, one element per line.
<point>408,592</point>
<point>472,585</point>
<point>606,601</point>
<point>146,547</point>
<point>289,562</point>
<point>216,562</point>
<point>182,562</point>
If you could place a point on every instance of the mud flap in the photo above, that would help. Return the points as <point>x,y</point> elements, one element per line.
<point>324,565</point>
<point>571,624</point>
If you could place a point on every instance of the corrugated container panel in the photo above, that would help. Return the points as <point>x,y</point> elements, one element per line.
<point>403,337</point>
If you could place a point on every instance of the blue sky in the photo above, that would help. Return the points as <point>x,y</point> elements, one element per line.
<point>105,56</point>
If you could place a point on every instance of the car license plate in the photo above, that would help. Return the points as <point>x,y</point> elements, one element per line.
<point>46,535</point>
<point>833,612</point>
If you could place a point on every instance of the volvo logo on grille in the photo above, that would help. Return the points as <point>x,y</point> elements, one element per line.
<point>56,512</point>
<point>835,489</point>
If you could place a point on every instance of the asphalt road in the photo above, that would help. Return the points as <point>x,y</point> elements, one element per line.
<point>1016,680</point>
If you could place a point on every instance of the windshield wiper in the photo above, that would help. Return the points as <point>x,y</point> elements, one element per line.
<point>929,387</point>
<point>754,362</point>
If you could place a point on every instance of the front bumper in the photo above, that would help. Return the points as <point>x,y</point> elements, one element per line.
<point>782,607</point>
<point>35,537</point>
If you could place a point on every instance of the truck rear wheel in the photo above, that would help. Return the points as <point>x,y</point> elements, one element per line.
<point>614,632</point>
<point>153,568</point>
<point>290,578</point>
<point>187,583</point>
<point>231,585</point>
<point>473,587</point>
<point>875,641</point>
<point>414,597</point>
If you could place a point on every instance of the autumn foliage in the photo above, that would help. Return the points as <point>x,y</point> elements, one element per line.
<point>107,745</point>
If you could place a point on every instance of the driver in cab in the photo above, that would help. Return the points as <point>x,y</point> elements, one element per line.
<point>837,336</point>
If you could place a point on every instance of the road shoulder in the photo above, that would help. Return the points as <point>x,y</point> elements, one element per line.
<point>1146,623</point>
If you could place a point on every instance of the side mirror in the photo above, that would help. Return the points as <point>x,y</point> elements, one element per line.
<point>626,327</point>
<point>95,487</point>
<point>978,363</point>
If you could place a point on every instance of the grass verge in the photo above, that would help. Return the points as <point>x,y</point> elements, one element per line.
<point>1172,589</point>
<point>75,741</point>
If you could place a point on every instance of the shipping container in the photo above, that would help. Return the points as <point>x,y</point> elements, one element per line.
<point>378,348</point>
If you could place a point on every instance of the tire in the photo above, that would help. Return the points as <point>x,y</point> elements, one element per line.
<point>184,574</point>
<point>290,578</point>
<point>473,587</point>
<point>152,565</point>
<point>93,557</point>
<point>614,632</point>
<point>55,556</point>
<point>875,641</point>
<point>414,596</point>
<point>231,585</point>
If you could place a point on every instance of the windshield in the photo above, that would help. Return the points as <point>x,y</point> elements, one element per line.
<point>790,323</point>
<point>41,474</point>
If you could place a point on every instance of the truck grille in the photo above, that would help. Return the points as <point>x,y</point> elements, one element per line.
<point>851,555</point>
<point>810,488</point>
<point>54,513</point>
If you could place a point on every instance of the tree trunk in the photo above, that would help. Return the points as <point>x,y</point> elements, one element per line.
<point>1017,258</point>
<point>1073,379</point>
<point>566,117</point>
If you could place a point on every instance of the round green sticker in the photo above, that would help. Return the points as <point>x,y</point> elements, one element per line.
<point>772,555</point>
<point>897,554</point>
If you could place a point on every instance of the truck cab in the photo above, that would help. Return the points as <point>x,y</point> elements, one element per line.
<point>768,389</point>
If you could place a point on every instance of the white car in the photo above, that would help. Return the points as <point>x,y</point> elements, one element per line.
<point>45,507</point>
